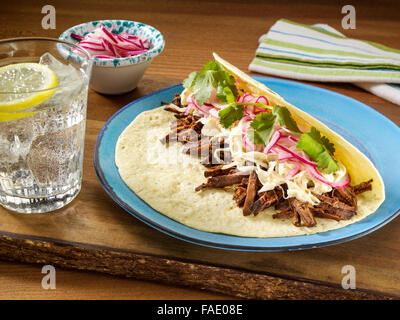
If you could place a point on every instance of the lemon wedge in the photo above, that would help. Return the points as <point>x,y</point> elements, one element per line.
<point>24,86</point>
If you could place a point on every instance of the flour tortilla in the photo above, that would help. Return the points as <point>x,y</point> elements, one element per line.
<point>165,177</point>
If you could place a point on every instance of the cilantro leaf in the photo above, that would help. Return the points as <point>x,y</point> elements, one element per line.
<point>212,76</point>
<point>211,65</point>
<point>285,118</point>
<point>226,94</point>
<point>261,128</point>
<point>326,161</point>
<point>189,81</point>
<point>319,149</point>
<point>229,115</point>
<point>202,87</point>
<point>322,140</point>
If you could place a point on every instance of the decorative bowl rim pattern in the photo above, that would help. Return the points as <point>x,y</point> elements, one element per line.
<point>156,39</point>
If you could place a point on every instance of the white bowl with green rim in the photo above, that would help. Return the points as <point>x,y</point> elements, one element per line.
<point>119,75</point>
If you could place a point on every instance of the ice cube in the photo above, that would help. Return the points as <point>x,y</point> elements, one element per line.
<point>70,80</point>
<point>66,73</point>
<point>15,139</point>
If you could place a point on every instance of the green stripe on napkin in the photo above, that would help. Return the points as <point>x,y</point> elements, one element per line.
<point>299,51</point>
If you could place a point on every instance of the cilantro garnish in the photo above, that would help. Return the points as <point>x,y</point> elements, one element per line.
<point>319,149</point>
<point>262,125</point>
<point>212,76</point>
<point>189,81</point>
<point>285,118</point>
<point>261,128</point>
<point>323,140</point>
<point>231,114</point>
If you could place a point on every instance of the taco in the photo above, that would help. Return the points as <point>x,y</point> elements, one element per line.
<point>229,155</point>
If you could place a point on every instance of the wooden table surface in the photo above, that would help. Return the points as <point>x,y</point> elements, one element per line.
<point>193,30</point>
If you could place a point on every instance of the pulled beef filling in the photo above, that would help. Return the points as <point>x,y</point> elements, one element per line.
<point>338,204</point>
<point>267,199</point>
<point>187,129</point>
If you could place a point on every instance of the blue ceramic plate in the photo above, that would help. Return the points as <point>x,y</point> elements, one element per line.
<point>365,128</point>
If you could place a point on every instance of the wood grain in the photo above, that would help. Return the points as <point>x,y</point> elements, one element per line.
<point>108,239</point>
<point>23,281</point>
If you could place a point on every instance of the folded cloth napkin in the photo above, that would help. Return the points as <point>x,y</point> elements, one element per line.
<point>321,53</point>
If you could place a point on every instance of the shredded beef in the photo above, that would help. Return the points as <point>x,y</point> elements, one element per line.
<point>252,187</point>
<point>338,204</point>
<point>219,171</point>
<point>177,100</point>
<point>303,213</point>
<point>221,181</point>
<point>209,159</point>
<point>333,206</point>
<point>179,115</point>
<point>267,199</point>
<point>335,202</point>
<point>196,147</point>
<point>184,135</point>
<point>171,109</point>
<point>285,214</point>
<point>187,129</point>
<point>324,210</point>
<point>363,187</point>
<point>346,195</point>
<point>240,192</point>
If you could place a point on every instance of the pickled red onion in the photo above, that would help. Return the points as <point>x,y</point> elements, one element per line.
<point>103,43</point>
<point>92,43</point>
<point>204,109</point>
<point>262,97</point>
<point>282,155</point>
<point>214,113</point>
<point>103,56</point>
<point>194,103</point>
<point>294,154</point>
<point>254,99</point>
<point>188,108</point>
<point>77,36</point>
<point>248,114</point>
<point>109,35</point>
<point>315,174</point>
<point>274,139</point>
<point>293,172</point>
<point>247,144</point>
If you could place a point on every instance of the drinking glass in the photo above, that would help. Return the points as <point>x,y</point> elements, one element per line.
<point>42,133</point>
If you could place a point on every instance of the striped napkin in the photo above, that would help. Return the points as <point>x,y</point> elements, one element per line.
<point>321,53</point>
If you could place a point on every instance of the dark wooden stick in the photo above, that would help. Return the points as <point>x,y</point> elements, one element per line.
<point>231,281</point>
